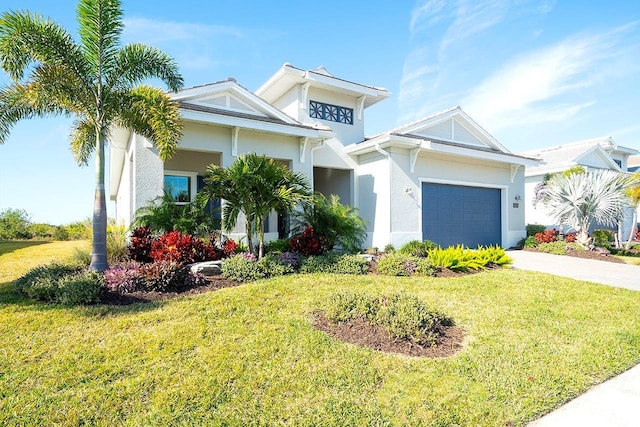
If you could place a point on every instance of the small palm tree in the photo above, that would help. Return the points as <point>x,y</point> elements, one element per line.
<point>254,186</point>
<point>338,224</point>
<point>579,199</point>
<point>94,80</point>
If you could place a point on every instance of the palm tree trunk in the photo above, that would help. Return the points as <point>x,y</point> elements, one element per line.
<point>249,232</point>
<point>633,227</point>
<point>260,238</point>
<point>99,244</point>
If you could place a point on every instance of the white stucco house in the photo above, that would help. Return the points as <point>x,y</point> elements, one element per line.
<point>597,153</point>
<point>442,178</point>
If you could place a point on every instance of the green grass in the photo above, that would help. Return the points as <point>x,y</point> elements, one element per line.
<point>633,260</point>
<point>249,355</point>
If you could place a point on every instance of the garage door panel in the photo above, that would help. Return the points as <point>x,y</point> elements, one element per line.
<point>455,214</point>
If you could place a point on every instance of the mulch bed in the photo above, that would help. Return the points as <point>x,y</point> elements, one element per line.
<point>361,333</point>
<point>214,283</point>
<point>587,255</point>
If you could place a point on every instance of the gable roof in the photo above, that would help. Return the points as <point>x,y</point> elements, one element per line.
<point>288,76</point>
<point>595,152</point>
<point>450,132</point>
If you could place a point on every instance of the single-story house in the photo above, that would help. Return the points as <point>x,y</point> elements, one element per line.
<point>597,153</point>
<point>442,178</point>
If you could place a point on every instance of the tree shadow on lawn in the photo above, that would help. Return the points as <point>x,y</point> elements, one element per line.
<point>8,246</point>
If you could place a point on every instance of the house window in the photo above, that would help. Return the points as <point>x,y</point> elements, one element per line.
<point>179,187</point>
<point>332,113</point>
<point>618,162</point>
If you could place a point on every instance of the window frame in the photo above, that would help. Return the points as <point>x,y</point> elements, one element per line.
<point>193,183</point>
<point>330,112</point>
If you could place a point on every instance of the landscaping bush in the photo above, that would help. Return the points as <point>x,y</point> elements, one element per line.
<point>307,243</point>
<point>533,229</point>
<point>400,264</point>
<point>277,246</point>
<point>403,316</point>
<point>183,249</point>
<point>389,248</point>
<point>124,278</point>
<point>530,242</point>
<point>570,237</point>
<point>334,262</point>
<point>116,244</point>
<point>456,258</point>
<point>61,283</point>
<point>290,258</point>
<point>494,255</point>
<point>418,248</point>
<point>15,224</point>
<point>602,238</point>
<point>139,248</point>
<point>243,268</point>
<point>335,224</point>
<point>558,247</point>
<point>547,236</point>
<point>163,276</point>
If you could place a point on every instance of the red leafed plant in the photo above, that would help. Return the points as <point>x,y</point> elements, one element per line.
<point>183,249</point>
<point>229,247</point>
<point>547,237</point>
<point>307,243</point>
<point>570,237</point>
<point>139,246</point>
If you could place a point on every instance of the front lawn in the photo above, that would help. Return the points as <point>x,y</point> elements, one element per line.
<point>249,355</point>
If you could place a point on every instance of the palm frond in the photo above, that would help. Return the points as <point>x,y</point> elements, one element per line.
<point>83,141</point>
<point>137,62</point>
<point>151,113</point>
<point>26,38</point>
<point>100,28</point>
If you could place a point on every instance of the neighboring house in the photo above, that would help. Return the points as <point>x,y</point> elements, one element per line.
<point>598,153</point>
<point>442,178</point>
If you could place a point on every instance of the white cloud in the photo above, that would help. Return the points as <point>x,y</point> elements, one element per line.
<point>152,31</point>
<point>473,17</point>
<point>428,13</point>
<point>533,84</point>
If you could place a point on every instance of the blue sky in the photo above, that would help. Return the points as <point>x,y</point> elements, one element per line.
<point>533,73</point>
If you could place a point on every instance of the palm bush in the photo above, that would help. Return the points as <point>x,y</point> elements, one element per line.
<point>163,214</point>
<point>337,224</point>
<point>579,199</point>
<point>254,186</point>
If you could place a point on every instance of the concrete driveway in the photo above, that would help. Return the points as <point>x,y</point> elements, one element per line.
<point>613,403</point>
<point>607,273</point>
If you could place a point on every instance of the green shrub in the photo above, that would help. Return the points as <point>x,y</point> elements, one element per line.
<point>530,242</point>
<point>15,224</point>
<point>400,264</point>
<point>81,257</point>
<point>61,283</point>
<point>602,238</point>
<point>404,316</point>
<point>418,248</point>
<point>494,255</point>
<point>42,231</point>
<point>557,248</point>
<point>533,229</point>
<point>82,288</point>
<point>334,262</point>
<point>456,258</point>
<point>245,268</point>
<point>277,246</point>
<point>350,264</point>
<point>389,248</point>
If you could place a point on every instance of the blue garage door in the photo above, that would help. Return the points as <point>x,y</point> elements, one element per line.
<point>456,214</point>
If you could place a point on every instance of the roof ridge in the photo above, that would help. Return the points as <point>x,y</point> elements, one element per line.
<point>416,121</point>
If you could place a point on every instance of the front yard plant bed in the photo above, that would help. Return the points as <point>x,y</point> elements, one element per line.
<point>595,255</point>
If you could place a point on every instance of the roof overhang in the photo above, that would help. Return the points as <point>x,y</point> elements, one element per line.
<point>430,146</point>
<point>221,119</point>
<point>288,76</point>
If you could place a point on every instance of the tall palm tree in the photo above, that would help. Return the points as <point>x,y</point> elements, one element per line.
<point>579,199</point>
<point>254,186</point>
<point>95,80</point>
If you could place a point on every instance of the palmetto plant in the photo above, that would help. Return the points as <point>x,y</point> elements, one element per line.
<point>95,80</point>
<point>579,199</point>
<point>254,186</point>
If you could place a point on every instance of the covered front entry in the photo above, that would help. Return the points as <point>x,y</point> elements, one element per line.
<point>456,214</point>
